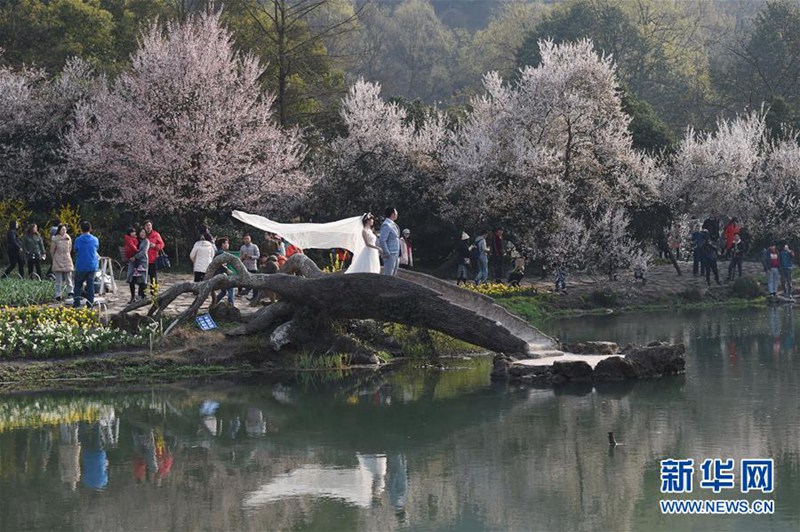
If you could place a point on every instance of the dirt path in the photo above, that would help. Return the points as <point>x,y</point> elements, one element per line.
<point>663,284</point>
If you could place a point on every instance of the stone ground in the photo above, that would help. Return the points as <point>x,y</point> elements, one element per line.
<point>119,300</point>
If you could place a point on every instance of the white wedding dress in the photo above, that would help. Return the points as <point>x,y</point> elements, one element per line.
<point>366,260</point>
<point>348,233</point>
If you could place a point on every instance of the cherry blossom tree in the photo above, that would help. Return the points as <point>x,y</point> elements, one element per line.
<point>737,170</point>
<point>711,172</point>
<point>385,158</point>
<point>554,143</point>
<point>568,244</point>
<point>187,131</point>
<point>611,248</point>
<point>774,196</point>
<point>34,112</point>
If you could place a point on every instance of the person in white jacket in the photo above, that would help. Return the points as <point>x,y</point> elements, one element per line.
<point>201,255</point>
<point>406,253</point>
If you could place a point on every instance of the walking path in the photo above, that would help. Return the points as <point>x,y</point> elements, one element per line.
<point>663,284</point>
<point>116,302</point>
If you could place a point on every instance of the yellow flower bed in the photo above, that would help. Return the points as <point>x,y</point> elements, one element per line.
<point>42,314</point>
<point>42,332</point>
<point>495,290</point>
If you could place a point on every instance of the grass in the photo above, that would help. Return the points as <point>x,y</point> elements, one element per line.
<point>531,308</point>
<point>22,292</point>
<point>421,342</point>
<point>334,361</point>
<point>536,309</point>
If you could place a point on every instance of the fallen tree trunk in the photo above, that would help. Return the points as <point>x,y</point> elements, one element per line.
<point>339,296</point>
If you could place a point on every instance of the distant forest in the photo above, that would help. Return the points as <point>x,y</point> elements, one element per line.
<point>679,62</point>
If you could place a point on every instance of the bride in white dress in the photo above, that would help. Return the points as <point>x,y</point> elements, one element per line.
<point>368,259</point>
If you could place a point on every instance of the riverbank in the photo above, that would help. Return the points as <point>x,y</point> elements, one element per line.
<point>586,294</point>
<point>190,353</point>
<point>663,290</point>
<point>185,356</point>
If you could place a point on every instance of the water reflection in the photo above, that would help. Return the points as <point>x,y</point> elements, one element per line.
<point>416,449</point>
<point>94,463</point>
<point>152,453</point>
<point>69,450</point>
<point>361,486</point>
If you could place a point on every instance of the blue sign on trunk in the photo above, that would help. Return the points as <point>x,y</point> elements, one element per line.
<point>206,322</point>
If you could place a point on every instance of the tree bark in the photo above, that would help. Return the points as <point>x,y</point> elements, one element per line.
<point>340,296</point>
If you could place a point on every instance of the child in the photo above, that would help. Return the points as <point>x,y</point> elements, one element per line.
<point>518,272</point>
<point>638,274</point>
<point>561,279</point>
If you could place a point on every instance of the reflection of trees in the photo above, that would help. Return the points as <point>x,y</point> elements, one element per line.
<point>480,457</point>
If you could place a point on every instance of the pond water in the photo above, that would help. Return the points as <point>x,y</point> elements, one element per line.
<point>418,449</point>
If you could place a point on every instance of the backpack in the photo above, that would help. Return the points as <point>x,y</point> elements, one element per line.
<point>474,253</point>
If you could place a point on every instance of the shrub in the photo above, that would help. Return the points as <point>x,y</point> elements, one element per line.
<point>691,295</point>
<point>746,287</point>
<point>67,214</point>
<point>498,290</point>
<point>604,298</point>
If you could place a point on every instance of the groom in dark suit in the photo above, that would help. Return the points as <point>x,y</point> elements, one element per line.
<point>389,242</point>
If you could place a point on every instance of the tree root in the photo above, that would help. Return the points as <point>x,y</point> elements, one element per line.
<point>301,285</point>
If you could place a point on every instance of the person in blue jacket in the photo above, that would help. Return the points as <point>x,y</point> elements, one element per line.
<point>86,262</point>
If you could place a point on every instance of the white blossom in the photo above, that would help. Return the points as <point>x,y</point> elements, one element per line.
<point>187,129</point>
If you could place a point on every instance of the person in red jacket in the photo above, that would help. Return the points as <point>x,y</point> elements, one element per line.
<point>156,246</point>
<point>131,244</point>
<point>291,249</point>
<point>731,229</point>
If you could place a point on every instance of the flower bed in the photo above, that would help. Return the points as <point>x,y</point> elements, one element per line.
<point>46,332</point>
<point>20,292</point>
<point>496,290</point>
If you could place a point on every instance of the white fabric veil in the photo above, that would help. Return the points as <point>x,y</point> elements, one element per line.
<point>339,234</point>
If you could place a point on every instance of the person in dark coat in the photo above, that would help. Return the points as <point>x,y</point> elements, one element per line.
<point>14,247</point>
<point>737,255</point>
<point>33,248</point>
<point>698,241</point>
<point>497,254</point>
<point>711,224</point>
<point>710,261</point>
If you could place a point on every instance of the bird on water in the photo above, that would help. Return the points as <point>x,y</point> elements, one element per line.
<point>611,441</point>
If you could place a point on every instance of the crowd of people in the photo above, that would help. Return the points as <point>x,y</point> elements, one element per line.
<point>710,243</point>
<point>267,258</point>
<point>74,265</point>
<point>489,255</point>
<point>141,249</point>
